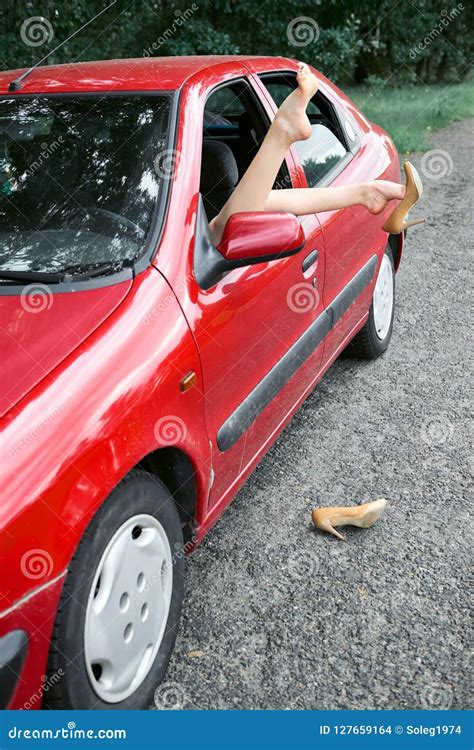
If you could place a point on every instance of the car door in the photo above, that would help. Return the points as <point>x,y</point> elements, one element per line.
<point>247,324</point>
<point>334,155</point>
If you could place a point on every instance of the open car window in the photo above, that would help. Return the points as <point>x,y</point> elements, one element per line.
<point>326,147</point>
<point>80,178</point>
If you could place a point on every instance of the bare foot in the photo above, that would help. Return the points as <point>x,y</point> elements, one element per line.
<point>291,121</point>
<point>378,193</point>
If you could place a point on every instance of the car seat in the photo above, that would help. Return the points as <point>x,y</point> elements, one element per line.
<point>219,175</point>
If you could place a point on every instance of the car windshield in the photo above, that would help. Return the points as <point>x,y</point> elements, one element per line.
<point>79,180</point>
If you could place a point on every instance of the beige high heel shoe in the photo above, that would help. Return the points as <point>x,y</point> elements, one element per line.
<point>361,515</point>
<point>396,222</point>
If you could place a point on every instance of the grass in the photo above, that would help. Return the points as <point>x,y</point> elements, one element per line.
<point>413,113</point>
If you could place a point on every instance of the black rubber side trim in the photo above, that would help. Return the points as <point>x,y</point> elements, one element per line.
<point>13,648</point>
<point>264,392</point>
<point>253,404</point>
<point>348,295</point>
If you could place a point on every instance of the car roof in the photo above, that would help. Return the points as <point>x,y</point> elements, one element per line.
<point>135,74</point>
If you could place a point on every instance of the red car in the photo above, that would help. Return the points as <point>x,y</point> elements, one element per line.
<point>146,372</point>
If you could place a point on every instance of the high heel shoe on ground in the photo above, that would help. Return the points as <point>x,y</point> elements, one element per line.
<point>360,515</point>
<point>396,222</point>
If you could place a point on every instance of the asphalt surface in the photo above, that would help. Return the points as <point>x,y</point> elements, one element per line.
<point>280,615</point>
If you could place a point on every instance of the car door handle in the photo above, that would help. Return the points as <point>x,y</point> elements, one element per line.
<point>308,261</point>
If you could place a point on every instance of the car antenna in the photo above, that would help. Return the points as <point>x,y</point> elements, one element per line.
<point>17,84</point>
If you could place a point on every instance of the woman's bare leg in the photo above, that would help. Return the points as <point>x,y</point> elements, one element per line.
<point>289,125</point>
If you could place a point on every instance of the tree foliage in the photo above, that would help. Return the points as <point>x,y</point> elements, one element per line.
<point>373,41</point>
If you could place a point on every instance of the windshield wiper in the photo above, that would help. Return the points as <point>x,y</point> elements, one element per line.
<point>46,278</point>
<point>72,273</point>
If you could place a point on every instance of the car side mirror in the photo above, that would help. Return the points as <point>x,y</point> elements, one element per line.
<point>257,237</point>
<point>249,238</point>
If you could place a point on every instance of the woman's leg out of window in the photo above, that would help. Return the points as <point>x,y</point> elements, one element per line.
<point>254,191</point>
<point>290,124</point>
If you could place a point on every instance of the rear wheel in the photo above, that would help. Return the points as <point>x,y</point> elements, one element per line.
<point>119,611</point>
<point>374,338</point>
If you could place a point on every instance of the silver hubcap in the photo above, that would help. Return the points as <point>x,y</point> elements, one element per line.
<point>383,298</point>
<point>128,608</point>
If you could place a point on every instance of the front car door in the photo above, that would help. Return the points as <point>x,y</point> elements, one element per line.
<point>247,324</point>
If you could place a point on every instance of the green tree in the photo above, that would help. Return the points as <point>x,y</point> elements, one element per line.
<point>348,40</point>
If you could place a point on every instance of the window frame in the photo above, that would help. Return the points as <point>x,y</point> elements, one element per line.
<point>335,115</point>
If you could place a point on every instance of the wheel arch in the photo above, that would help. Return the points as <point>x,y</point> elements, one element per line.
<point>396,242</point>
<point>175,469</point>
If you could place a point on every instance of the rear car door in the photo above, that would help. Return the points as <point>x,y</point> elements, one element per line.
<point>335,155</point>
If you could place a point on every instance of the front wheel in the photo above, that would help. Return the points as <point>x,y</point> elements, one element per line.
<point>120,607</point>
<point>374,338</point>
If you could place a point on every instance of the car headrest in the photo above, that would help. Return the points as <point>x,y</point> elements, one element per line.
<point>219,169</point>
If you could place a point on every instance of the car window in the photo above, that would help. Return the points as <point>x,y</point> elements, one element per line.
<point>320,153</point>
<point>225,102</point>
<point>325,148</point>
<point>79,180</point>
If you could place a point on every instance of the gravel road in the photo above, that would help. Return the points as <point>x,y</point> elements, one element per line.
<point>287,617</point>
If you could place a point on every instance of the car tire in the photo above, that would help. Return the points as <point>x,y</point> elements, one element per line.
<point>374,338</point>
<point>121,602</point>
